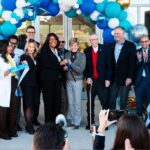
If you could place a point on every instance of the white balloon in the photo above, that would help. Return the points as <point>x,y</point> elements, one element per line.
<point>68,2</point>
<point>6,15</point>
<point>76,6</point>
<point>30,12</point>
<point>78,12</point>
<point>19,12</point>
<point>98,1</point>
<point>64,7</point>
<point>21,3</point>
<point>94,15</point>
<point>13,21</point>
<point>113,23</point>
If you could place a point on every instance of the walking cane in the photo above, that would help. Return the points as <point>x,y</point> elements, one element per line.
<point>90,92</point>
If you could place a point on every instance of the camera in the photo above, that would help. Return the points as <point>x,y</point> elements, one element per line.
<point>116,114</point>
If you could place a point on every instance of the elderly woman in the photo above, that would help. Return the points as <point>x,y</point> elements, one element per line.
<point>75,64</point>
<point>50,77</point>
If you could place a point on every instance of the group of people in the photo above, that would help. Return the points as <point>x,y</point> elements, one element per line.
<point>58,73</point>
<point>53,136</point>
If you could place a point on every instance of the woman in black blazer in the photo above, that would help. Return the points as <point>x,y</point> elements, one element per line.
<point>50,74</point>
<point>29,83</point>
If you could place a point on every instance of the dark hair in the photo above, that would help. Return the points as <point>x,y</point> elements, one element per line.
<point>119,27</point>
<point>30,27</point>
<point>49,136</point>
<point>132,127</point>
<point>13,37</point>
<point>3,49</point>
<point>46,43</point>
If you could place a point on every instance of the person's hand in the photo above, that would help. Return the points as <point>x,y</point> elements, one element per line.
<point>65,68</point>
<point>103,120</point>
<point>6,73</point>
<point>139,56</point>
<point>145,56</point>
<point>64,62</point>
<point>128,145</point>
<point>24,62</point>
<point>128,81</point>
<point>89,81</point>
<point>107,83</point>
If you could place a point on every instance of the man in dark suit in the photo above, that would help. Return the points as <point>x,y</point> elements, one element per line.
<point>123,54</point>
<point>30,34</point>
<point>142,82</point>
<point>98,73</point>
<point>61,52</point>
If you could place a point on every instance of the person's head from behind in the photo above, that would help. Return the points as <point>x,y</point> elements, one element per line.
<point>30,32</point>
<point>132,127</point>
<point>31,48</point>
<point>49,136</point>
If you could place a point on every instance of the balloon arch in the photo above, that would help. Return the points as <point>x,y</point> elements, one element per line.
<point>106,14</point>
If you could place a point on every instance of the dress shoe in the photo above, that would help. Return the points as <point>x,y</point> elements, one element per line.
<point>30,129</point>
<point>36,123</point>
<point>14,135</point>
<point>87,127</point>
<point>7,138</point>
<point>76,127</point>
<point>18,127</point>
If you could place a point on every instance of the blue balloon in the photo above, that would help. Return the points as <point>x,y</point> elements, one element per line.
<point>19,24</point>
<point>107,36</point>
<point>8,29</point>
<point>55,1</point>
<point>44,3</point>
<point>126,25</point>
<point>112,9</point>
<point>71,13</point>
<point>87,7</point>
<point>8,5</point>
<point>102,24</point>
<point>79,2</point>
<point>123,15</point>
<point>53,9</point>
<point>2,37</point>
<point>100,7</point>
<point>34,1</point>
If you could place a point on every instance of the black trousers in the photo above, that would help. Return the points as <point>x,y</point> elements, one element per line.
<point>122,92</point>
<point>101,92</point>
<point>51,91</point>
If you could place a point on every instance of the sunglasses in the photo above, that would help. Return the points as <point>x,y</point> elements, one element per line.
<point>62,41</point>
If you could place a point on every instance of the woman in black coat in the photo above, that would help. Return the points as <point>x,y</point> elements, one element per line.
<point>50,77</point>
<point>29,84</point>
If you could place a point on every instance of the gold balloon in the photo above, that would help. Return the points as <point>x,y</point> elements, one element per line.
<point>1,20</point>
<point>124,3</point>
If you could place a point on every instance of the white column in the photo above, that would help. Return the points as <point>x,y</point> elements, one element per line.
<point>36,24</point>
<point>67,27</point>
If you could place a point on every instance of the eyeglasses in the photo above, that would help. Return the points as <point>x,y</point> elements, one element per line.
<point>11,43</point>
<point>31,32</point>
<point>62,41</point>
<point>93,39</point>
<point>144,41</point>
